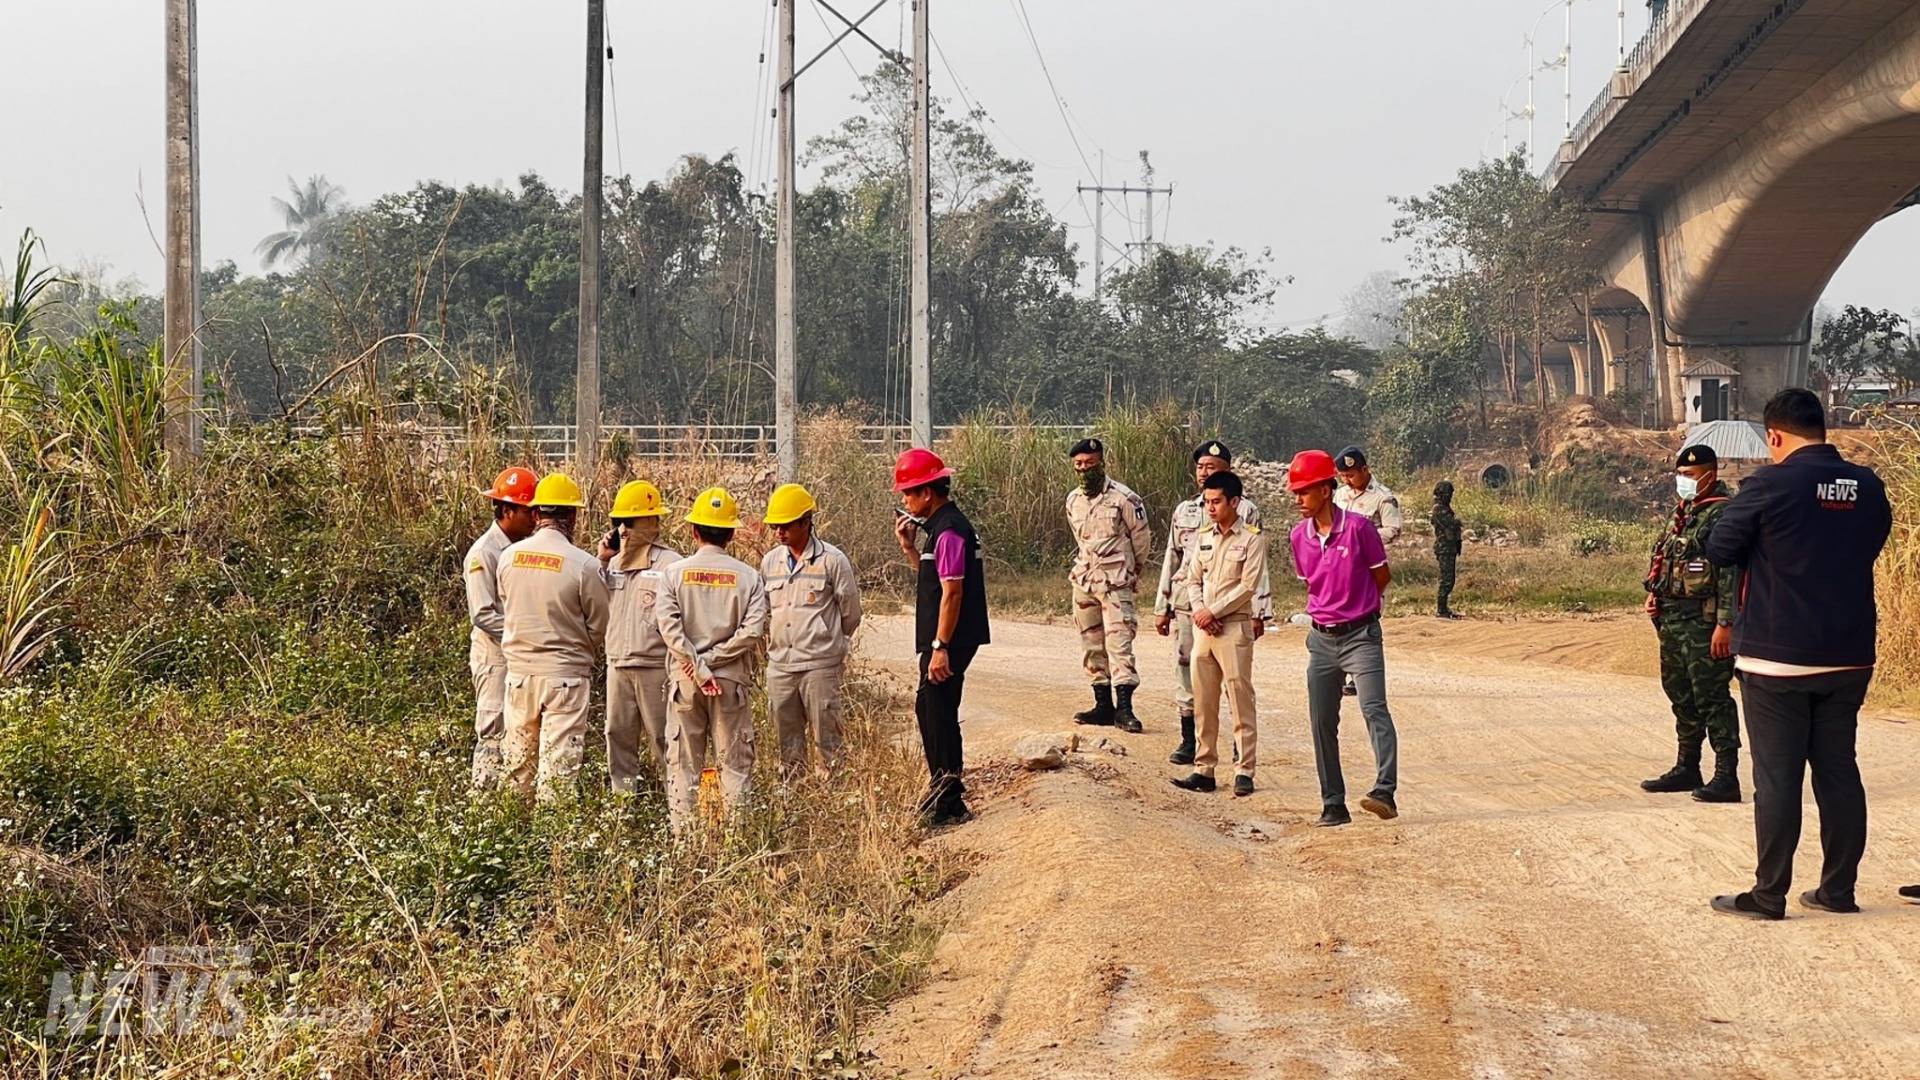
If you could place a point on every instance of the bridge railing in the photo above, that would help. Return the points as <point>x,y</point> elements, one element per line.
<point>560,442</point>
<point>1667,24</point>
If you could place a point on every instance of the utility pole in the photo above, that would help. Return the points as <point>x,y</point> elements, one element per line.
<point>786,425</point>
<point>181,315</point>
<point>1100,193</point>
<point>922,204</point>
<point>587,376</point>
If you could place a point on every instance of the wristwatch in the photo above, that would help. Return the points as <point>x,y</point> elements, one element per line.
<point>939,645</point>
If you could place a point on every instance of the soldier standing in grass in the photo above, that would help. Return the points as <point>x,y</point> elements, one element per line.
<point>1446,543</point>
<point>1691,602</point>
<point>713,615</point>
<point>512,497</point>
<point>1171,601</point>
<point>556,601</point>
<point>813,598</point>
<point>1114,541</point>
<point>635,562</point>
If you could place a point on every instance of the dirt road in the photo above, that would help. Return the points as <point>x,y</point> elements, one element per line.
<point>1531,913</point>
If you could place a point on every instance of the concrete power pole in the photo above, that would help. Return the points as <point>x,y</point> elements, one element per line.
<point>181,315</point>
<point>922,209</point>
<point>786,426</point>
<point>587,375</point>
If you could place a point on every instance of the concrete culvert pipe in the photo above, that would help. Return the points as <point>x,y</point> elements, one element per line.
<point>1495,476</point>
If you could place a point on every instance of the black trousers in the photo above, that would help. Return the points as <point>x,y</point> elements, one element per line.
<point>1794,723</point>
<point>937,707</point>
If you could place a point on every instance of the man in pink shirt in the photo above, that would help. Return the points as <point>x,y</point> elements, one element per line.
<point>1340,556</point>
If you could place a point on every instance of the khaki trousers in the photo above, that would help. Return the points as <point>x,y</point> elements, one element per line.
<point>1183,660</point>
<point>694,719</point>
<point>489,718</point>
<point>547,720</point>
<point>1107,623</point>
<point>803,703</point>
<point>1224,661</point>
<point>636,701</point>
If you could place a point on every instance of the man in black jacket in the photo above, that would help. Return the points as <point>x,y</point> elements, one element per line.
<point>1805,533</point>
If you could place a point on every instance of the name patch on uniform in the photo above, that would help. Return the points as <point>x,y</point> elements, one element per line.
<point>536,560</point>
<point>712,579</point>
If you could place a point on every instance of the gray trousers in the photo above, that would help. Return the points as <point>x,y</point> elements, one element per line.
<point>1329,660</point>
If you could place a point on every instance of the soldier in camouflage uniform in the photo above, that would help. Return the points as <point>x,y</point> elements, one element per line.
<point>1171,602</point>
<point>1446,542</point>
<point>1691,602</point>
<point>1114,541</point>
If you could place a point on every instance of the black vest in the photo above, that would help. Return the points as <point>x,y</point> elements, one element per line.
<point>972,631</point>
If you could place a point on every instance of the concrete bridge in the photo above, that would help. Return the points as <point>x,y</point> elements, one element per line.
<point>1742,151</point>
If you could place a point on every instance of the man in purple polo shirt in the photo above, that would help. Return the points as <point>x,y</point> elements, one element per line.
<point>1340,556</point>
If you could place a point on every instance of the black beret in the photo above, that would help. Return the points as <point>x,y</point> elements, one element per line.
<point>1351,458</point>
<point>1091,445</point>
<point>1698,454</point>
<point>1213,449</point>
<point>1444,487</point>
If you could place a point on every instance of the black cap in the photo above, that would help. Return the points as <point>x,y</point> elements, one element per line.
<point>1698,454</point>
<point>1215,448</point>
<point>1089,445</point>
<point>1351,458</point>
<point>1444,487</point>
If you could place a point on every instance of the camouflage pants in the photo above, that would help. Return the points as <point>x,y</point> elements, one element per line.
<point>1107,622</point>
<point>1448,562</point>
<point>1698,685</point>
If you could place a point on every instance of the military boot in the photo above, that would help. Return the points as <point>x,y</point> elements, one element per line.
<point>1101,715</point>
<point>1684,776</point>
<point>1123,717</point>
<point>1183,754</point>
<point>1725,785</point>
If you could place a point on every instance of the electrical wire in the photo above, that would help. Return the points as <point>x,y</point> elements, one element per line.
<point>1059,103</point>
<point>613,88</point>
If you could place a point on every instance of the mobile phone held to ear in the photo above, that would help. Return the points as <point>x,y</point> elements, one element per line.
<point>613,538</point>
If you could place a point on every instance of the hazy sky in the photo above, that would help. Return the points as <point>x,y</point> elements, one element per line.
<point>1283,124</point>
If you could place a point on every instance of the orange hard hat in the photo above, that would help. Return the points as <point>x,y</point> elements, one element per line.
<point>514,485</point>
<point>1308,468</point>
<point>918,468</point>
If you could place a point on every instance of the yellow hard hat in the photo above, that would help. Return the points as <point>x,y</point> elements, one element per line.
<point>637,499</point>
<point>557,489</point>
<point>715,509</point>
<point>789,503</point>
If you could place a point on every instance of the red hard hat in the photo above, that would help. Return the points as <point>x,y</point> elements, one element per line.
<point>514,485</point>
<point>918,468</point>
<point>1308,468</point>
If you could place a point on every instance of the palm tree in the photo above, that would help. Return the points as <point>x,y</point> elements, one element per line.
<point>314,202</point>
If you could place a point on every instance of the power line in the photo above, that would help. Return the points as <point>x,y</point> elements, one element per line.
<point>1059,103</point>
<point>613,92</point>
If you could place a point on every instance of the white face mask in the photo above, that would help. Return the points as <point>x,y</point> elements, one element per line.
<point>1687,486</point>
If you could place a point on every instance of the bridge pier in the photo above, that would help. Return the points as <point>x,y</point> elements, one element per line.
<point>1765,370</point>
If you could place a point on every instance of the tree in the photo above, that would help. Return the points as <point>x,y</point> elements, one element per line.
<point>1860,342</point>
<point>1423,383</point>
<point>306,217</point>
<point>1370,313</point>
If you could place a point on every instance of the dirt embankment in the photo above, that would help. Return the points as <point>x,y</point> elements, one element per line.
<point>1531,913</point>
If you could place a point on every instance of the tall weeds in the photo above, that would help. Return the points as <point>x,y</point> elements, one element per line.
<point>1898,579</point>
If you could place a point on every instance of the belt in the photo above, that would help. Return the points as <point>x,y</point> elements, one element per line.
<point>1342,629</point>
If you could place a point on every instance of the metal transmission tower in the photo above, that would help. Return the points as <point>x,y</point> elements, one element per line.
<point>1100,193</point>
<point>586,389</point>
<point>785,395</point>
<point>181,315</point>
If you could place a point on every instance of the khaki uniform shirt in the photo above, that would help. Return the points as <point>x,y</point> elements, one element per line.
<point>1189,521</point>
<point>556,603</point>
<point>713,611</point>
<point>814,607</point>
<point>481,569</point>
<point>1226,569</point>
<point>1376,504</point>
<point>633,630</point>
<point>1112,535</point>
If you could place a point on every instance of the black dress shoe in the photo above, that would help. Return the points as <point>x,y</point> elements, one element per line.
<point>1911,892</point>
<point>1812,899</point>
<point>1196,782</point>
<point>1742,906</point>
<point>1333,815</point>
<point>1380,805</point>
<point>1243,785</point>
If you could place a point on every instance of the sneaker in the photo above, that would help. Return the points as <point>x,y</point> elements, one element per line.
<point>1812,899</point>
<point>1742,906</point>
<point>1380,805</point>
<point>1332,816</point>
<point>1911,892</point>
<point>1196,782</point>
<point>1242,786</point>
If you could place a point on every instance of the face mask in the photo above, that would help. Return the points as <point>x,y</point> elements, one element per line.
<point>1687,486</point>
<point>1093,479</point>
<point>645,530</point>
